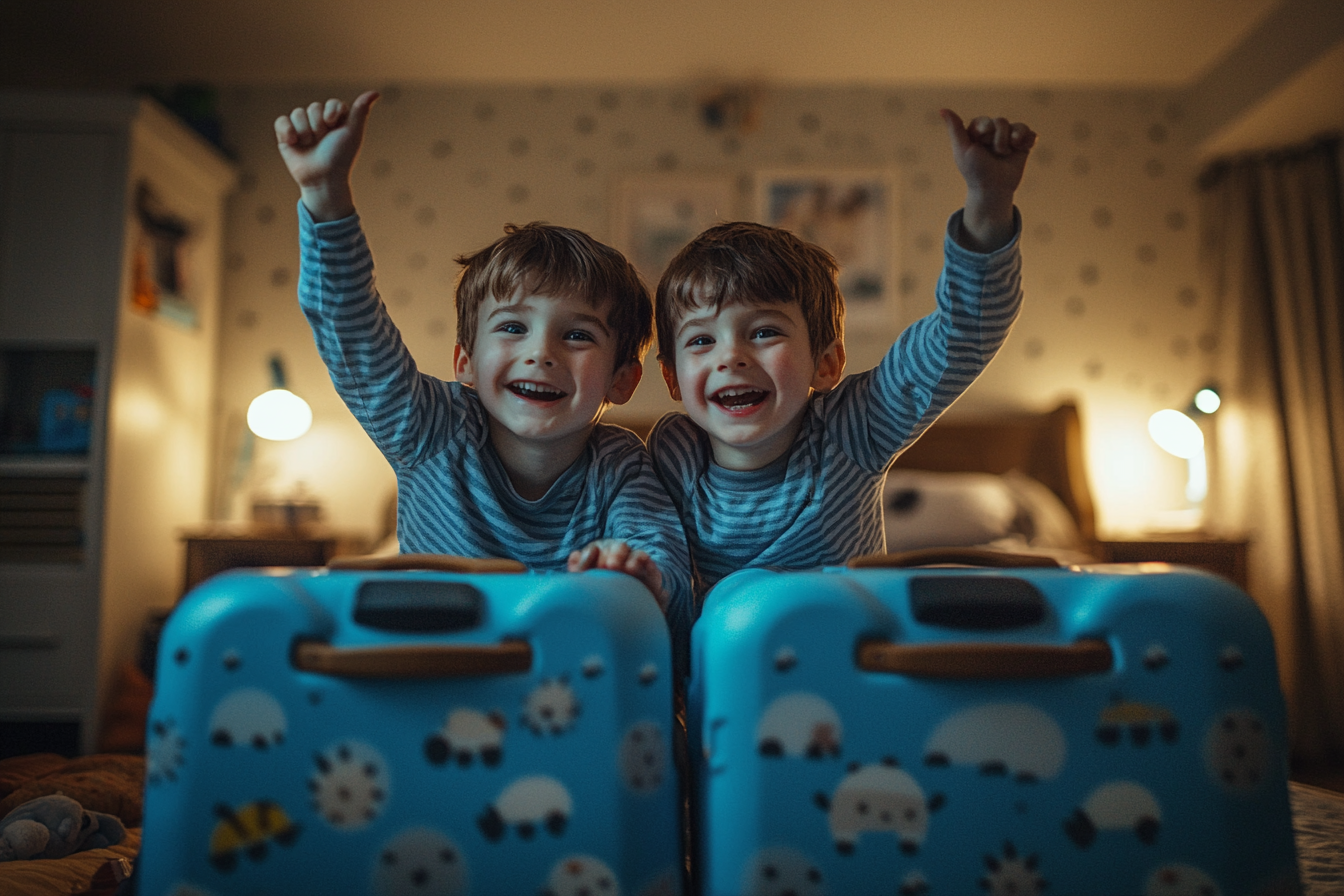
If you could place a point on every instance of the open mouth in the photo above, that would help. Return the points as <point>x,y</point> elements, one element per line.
<point>535,392</point>
<point>736,399</point>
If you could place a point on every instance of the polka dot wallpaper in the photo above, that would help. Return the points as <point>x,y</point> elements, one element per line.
<point>1116,316</point>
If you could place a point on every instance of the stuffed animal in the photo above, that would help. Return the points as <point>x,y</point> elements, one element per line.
<point>54,826</point>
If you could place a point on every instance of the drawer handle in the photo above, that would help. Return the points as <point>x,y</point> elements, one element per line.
<point>985,662</point>
<point>413,661</point>
<point>434,562</point>
<point>958,556</point>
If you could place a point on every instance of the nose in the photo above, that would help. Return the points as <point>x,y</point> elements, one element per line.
<point>731,355</point>
<point>540,351</point>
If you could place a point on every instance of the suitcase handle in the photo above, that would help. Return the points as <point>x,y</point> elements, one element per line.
<point>959,556</point>
<point>985,662</point>
<point>434,562</point>
<point>413,661</point>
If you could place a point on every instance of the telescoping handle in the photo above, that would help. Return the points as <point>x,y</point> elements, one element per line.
<point>953,556</point>
<point>402,605</point>
<point>432,562</point>
<point>986,662</point>
<point>413,661</point>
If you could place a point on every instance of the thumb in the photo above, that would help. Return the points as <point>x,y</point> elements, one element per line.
<point>359,110</point>
<point>955,129</point>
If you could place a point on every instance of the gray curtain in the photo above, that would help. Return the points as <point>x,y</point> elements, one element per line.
<point>1273,244</point>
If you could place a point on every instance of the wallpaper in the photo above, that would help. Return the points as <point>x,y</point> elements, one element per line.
<point>1115,315</point>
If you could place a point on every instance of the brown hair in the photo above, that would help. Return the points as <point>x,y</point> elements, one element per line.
<point>563,263</point>
<point>742,262</point>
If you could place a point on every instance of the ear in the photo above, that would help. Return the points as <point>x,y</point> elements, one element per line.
<point>670,377</point>
<point>830,366</point>
<point>624,382</point>
<point>462,368</point>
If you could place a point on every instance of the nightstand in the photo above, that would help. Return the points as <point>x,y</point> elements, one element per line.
<point>1226,557</point>
<point>217,548</point>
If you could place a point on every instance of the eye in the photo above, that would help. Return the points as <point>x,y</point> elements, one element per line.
<point>700,341</point>
<point>765,333</point>
<point>580,336</point>
<point>512,327</point>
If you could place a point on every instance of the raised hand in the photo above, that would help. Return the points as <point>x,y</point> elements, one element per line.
<point>614,554</point>
<point>991,154</point>
<point>319,144</point>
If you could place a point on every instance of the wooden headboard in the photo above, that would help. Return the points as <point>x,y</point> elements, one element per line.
<point>1048,447</point>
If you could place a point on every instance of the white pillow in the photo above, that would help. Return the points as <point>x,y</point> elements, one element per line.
<point>1047,521</point>
<point>935,510</point>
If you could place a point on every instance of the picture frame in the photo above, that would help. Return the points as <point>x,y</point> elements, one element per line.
<point>852,213</point>
<point>654,216</point>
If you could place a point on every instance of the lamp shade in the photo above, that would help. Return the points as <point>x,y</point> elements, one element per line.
<point>279,415</point>
<point>1175,433</point>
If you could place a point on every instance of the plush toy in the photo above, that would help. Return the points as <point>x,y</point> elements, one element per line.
<point>54,826</point>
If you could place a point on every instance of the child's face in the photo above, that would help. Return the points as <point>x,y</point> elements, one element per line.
<point>745,374</point>
<point>544,367</point>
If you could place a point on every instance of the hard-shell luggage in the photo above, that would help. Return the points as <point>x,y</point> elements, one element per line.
<point>954,730</point>
<point>412,732</point>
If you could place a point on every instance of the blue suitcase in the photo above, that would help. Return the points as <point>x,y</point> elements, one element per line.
<point>412,732</point>
<point>954,730</point>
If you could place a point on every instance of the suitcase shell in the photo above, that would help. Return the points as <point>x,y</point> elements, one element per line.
<point>266,778</point>
<point>1161,770</point>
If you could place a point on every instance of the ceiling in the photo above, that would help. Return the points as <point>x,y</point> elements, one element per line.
<point>1084,43</point>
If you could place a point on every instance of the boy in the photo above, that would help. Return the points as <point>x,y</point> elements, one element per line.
<point>776,461</point>
<point>510,461</point>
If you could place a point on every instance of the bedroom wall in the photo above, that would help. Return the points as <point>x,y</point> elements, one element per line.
<point>1115,315</point>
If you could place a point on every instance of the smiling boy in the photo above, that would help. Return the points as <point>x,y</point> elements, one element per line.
<point>777,461</point>
<point>511,460</point>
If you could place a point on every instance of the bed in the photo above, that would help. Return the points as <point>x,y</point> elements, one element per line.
<point>1015,482</point>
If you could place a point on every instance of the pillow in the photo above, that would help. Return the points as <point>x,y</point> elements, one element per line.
<point>946,510</point>
<point>1047,522</point>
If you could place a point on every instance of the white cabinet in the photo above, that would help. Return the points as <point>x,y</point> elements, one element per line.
<point>106,404</point>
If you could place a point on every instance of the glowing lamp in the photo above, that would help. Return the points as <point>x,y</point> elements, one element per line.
<point>1175,433</point>
<point>1207,400</point>
<point>278,414</point>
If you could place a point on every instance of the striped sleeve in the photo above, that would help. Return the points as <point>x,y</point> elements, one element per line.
<point>875,414</point>
<point>407,414</point>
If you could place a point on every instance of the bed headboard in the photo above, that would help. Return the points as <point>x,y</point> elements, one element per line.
<point>1047,446</point>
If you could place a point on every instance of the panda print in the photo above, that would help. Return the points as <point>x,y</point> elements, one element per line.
<point>529,803</point>
<point>1237,750</point>
<point>581,876</point>
<point>467,735</point>
<point>1180,880</point>
<point>1002,739</point>
<point>551,707</point>
<point>1116,806</point>
<point>799,725</point>
<point>421,862</point>
<point>1009,874</point>
<point>878,797</point>
<point>643,757</point>
<point>349,787</point>
<point>248,717</point>
<point>780,871</point>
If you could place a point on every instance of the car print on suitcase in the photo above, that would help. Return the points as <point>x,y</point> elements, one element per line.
<point>959,730</point>
<point>467,729</point>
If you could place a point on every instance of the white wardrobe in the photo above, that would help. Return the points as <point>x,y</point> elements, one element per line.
<point>110,247</point>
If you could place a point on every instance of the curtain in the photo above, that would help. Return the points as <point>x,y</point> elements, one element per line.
<point>1273,246</point>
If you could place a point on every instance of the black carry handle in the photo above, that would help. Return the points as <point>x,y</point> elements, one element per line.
<point>953,557</point>
<point>985,662</point>
<point>433,562</point>
<point>413,661</point>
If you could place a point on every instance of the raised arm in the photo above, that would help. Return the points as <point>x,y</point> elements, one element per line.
<point>991,154</point>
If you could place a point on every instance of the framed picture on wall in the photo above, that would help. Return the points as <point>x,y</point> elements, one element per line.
<point>851,214</point>
<point>654,216</point>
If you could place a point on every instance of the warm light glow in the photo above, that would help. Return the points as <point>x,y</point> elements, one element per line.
<point>279,415</point>
<point>1175,433</point>
<point>1207,401</point>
